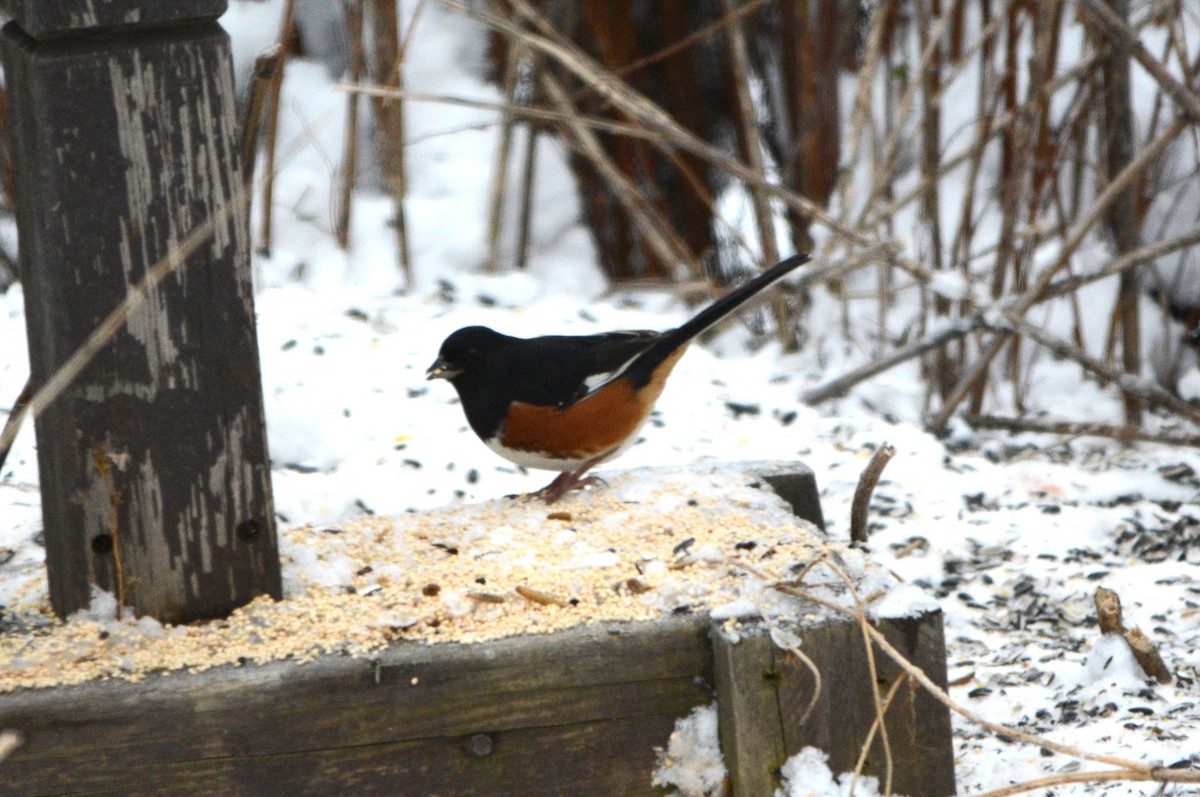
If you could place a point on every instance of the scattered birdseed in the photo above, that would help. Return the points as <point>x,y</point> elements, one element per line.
<point>418,577</point>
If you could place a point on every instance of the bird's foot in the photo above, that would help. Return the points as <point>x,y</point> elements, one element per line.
<point>566,482</point>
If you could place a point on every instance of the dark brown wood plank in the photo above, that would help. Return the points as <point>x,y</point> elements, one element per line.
<point>154,456</point>
<point>341,721</point>
<point>918,724</point>
<point>763,693</point>
<point>608,757</point>
<point>42,19</point>
<point>748,711</point>
<point>795,483</point>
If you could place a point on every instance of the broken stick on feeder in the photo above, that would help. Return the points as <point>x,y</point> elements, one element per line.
<point>866,487</point>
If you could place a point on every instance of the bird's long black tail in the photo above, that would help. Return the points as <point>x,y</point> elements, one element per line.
<point>641,368</point>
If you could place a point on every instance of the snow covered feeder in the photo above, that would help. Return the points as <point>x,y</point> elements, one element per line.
<point>506,648</point>
<point>135,262</point>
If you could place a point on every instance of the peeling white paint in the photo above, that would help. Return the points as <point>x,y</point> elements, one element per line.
<point>86,16</point>
<point>190,177</point>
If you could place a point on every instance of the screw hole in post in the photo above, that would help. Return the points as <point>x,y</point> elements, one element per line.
<point>480,745</point>
<point>247,529</point>
<point>102,544</point>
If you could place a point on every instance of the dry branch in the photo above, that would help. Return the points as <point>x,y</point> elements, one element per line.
<point>1130,385</point>
<point>692,38</point>
<point>357,66</point>
<point>658,233</point>
<point>866,487</point>
<point>529,166</point>
<point>386,64</point>
<point>1127,769</point>
<point>667,132</point>
<point>115,320</point>
<point>15,415</point>
<point>262,80</point>
<point>1078,429</point>
<point>1147,656</point>
<point>946,333</point>
<point>1118,32</point>
<point>1030,297</point>
<point>1108,612</point>
<point>512,67</point>
<point>273,93</point>
<point>1121,216</point>
<point>752,151</point>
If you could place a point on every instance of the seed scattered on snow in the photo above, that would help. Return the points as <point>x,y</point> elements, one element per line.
<point>418,577</point>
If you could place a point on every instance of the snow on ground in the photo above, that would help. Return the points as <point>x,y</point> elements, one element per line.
<point>1012,534</point>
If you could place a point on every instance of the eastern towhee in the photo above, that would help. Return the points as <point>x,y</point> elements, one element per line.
<point>570,402</point>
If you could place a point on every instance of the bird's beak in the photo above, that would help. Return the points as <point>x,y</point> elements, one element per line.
<point>442,370</point>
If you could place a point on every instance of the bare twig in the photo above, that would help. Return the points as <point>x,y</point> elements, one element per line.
<point>945,333</point>
<point>1108,612</point>
<point>1078,429</point>
<point>866,486</point>
<point>1137,769</point>
<point>15,415</point>
<point>387,61</point>
<point>349,172</point>
<point>687,41</point>
<point>1031,296</point>
<point>1140,256</point>
<point>1130,384</point>
<point>638,107</point>
<point>659,234</point>
<point>1147,656</point>
<point>115,320</point>
<point>1118,32</point>
<point>262,80</point>
<point>271,122</point>
<point>1121,215</point>
<point>784,640</point>
<point>529,167</point>
<point>512,67</point>
<point>1045,785</point>
<point>752,151</point>
<point>964,326</point>
<point>877,726</point>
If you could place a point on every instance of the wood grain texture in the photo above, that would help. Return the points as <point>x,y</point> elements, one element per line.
<point>583,709</point>
<point>748,711</point>
<point>763,693</point>
<point>45,20</point>
<point>124,145</point>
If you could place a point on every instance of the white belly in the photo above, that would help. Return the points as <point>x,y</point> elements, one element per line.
<point>532,459</point>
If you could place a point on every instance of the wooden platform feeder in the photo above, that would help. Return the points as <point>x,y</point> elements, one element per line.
<point>577,712</point>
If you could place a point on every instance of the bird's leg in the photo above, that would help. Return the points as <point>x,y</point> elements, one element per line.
<point>571,480</point>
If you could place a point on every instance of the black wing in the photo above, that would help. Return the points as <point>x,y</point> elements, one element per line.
<point>558,370</point>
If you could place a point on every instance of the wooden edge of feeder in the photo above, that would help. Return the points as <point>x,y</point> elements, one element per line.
<point>48,20</point>
<point>548,701</point>
<point>763,692</point>
<point>477,718</point>
<point>237,730</point>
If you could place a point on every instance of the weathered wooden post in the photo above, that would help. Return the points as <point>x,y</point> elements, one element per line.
<point>153,464</point>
